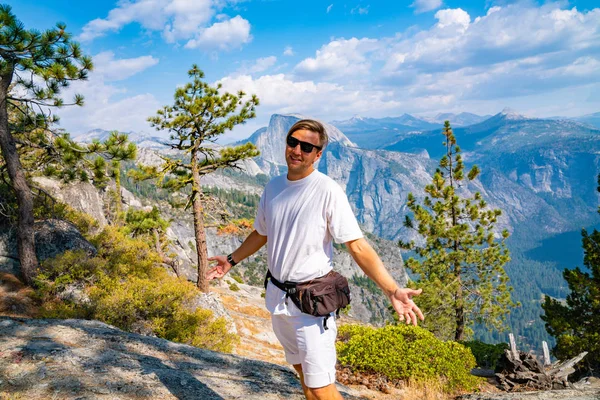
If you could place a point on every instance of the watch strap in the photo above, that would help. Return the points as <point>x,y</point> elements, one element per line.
<point>230,260</point>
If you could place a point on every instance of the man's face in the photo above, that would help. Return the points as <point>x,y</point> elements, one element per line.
<point>298,161</point>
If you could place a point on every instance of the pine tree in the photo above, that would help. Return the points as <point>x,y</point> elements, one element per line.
<point>576,323</point>
<point>60,158</point>
<point>199,115</point>
<point>460,262</point>
<point>34,68</point>
<point>149,224</point>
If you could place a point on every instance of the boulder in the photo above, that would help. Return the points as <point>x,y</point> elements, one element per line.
<point>82,196</point>
<point>52,237</point>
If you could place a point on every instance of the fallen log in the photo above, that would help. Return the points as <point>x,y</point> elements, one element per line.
<point>523,371</point>
<point>483,373</point>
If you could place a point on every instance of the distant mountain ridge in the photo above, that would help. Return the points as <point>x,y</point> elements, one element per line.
<point>141,139</point>
<point>461,119</point>
<point>591,119</point>
<point>505,131</point>
<point>376,133</point>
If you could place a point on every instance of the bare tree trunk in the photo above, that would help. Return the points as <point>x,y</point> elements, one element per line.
<point>199,231</point>
<point>166,260</point>
<point>118,198</point>
<point>460,315</point>
<point>25,234</point>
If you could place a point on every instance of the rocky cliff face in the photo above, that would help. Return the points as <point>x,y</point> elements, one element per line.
<point>82,196</point>
<point>377,184</point>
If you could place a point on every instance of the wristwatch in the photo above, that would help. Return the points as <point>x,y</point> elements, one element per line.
<point>230,260</point>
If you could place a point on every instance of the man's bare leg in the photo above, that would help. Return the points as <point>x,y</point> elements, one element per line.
<point>328,392</point>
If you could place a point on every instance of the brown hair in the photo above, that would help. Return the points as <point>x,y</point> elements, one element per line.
<point>313,126</point>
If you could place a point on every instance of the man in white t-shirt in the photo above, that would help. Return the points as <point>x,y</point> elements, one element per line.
<point>299,216</point>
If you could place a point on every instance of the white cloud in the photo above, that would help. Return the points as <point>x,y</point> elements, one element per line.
<point>280,94</point>
<point>177,20</point>
<point>142,11</point>
<point>188,17</point>
<point>512,52</point>
<point>106,108</point>
<point>259,65</point>
<point>422,6</point>
<point>223,35</point>
<point>109,106</point>
<point>519,54</point>
<point>288,51</point>
<point>360,10</point>
<point>329,7</point>
<point>453,17</point>
<point>509,33</point>
<point>582,67</point>
<point>338,58</point>
<point>116,70</point>
<point>493,10</point>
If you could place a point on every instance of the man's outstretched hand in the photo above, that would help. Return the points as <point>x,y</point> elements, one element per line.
<point>407,310</point>
<point>220,269</point>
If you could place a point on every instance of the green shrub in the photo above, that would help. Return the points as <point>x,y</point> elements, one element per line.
<point>199,329</point>
<point>62,309</point>
<point>85,223</point>
<point>237,277</point>
<point>118,256</point>
<point>234,287</point>
<point>123,302</point>
<point>402,352</point>
<point>487,355</point>
<point>66,269</point>
<point>126,287</point>
<point>126,256</point>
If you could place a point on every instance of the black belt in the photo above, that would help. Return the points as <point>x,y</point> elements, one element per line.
<point>287,287</point>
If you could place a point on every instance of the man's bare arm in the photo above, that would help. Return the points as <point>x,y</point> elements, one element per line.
<point>401,298</point>
<point>251,245</point>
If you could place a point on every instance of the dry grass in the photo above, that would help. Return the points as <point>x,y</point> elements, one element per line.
<point>11,396</point>
<point>432,390</point>
<point>16,299</point>
<point>233,303</point>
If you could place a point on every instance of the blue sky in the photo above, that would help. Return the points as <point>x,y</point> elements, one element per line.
<point>331,59</point>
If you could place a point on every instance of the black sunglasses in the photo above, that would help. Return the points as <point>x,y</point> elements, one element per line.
<point>304,146</point>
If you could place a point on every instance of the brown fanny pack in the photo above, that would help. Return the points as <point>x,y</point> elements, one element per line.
<point>319,297</point>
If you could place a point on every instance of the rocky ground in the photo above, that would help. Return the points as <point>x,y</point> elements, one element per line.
<point>76,359</point>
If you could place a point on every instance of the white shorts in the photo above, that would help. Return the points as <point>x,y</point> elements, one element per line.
<point>306,342</point>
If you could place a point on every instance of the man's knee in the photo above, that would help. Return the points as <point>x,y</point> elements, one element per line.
<point>328,392</point>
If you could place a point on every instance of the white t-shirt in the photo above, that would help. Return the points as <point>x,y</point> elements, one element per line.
<point>301,219</point>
